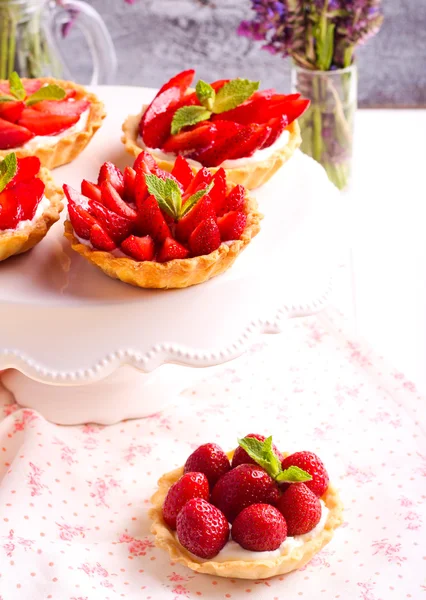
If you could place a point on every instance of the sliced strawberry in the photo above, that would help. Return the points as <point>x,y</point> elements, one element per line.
<point>28,168</point>
<point>231,225</point>
<point>253,110</point>
<point>182,171</point>
<point>10,210</point>
<point>129,184</point>
<point>141,189</point>
<point>202,210</point>
<point>171,249</point>
<point>11,111</point>
<point>201,180</point>
<point>72,93</point>
<point>139,248</point>
<point>75,198</point>
<point>246,142</point>
<point>112,200</point>
<point>117,227</point>
<point>277,125</point>
<point>182,81</point>
<point>32,85</point>
<point>12,135</point>
<point>28,194</point>
<point>81,220</point>
<point>198,138</point>
<point>205,238</point>
<point>216,154</point>
<point>218,192</point>
<point>62,107</point>
<point>144,162</point>
<point>109,172</point>
<point>157,130</point>
<point>91,190</point>
<point>292,108</point>
<point>216,85</point>
<point>45,124</point>
<point>151,220</point>
<point>234,201</point>
<point>100,239</point>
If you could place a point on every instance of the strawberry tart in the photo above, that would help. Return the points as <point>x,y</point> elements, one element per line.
<point>229,124</point>
<point>48,118</point>
<point>30,203</point>
<point>250,514</point>
<point>155,229</point>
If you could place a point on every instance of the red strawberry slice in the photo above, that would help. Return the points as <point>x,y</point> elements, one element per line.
<point>45,124</point>
<point>139,248</point>
<point>129,184</point>
<point>28,168</point>
<point>11,111</point>
<point>109,172</point>
<point>252,111</point>
<point>235,200</point>
<point>28,194</point>
<point>247,141</point>
<point>91,190</point>
<point>205,238</point>
<point>171,250</point>
<point>292,108</point>
<point>75,198</point>
<point>117,227</point>
<point>277,125</point>
<point>213,156</point>
<point>72,93</point>
<point>100,239</point>
<point>182,171</point>
<point>182,81</point>
<point>231,225</point>
<point>202,210</point>
<point>81,221</point>
<point>157,130</point>
<point>218,192</point>
<point>144,162</point>
<point>201,180</point>
<point>62,107</point>
<point>112,200</point>
<point>198,138</point>
<point>10,210</point>
<point>12,135</point>
<point>151,220</point>
<point>32,85</point>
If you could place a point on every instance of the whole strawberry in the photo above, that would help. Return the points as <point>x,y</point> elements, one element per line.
<point>259,528</point>
<point>190,485</point>
<point>241,457</point>
<point>309,462</point>
<point>241,487</point>
<point>300,508</point>
<point>209,459</point>
<point>202,529</point>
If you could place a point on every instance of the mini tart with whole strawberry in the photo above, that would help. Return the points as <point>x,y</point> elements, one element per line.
<point>48,118</point>
<point>30,203</point>
<point>229,124</point>
<point>154,229</point>
<point>225,515</point>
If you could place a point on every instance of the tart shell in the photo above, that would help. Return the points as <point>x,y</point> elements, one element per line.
<point>178,273</point>
<point>16,242</point>
<point>68,147</point>
<point>238,569</point>
<point>251,175</point>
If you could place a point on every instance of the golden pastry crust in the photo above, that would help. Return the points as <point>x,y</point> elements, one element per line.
<point>251,175</point>
<point>68,147</point>
<point>17,242</point>
<point>179,273</point>
<point>238,569</point>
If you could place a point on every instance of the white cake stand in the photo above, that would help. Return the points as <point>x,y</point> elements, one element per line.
<point>81,347</point>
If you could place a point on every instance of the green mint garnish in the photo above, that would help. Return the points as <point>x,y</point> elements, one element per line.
<point>205,94</point>
<point>47,92</point>
<point>16,87</point>
<point>192,200</point>
<point>8,167</point>
<point>189,115</point>
<point>169,197</point>
<point>263,454</point>
<point>234,93</point>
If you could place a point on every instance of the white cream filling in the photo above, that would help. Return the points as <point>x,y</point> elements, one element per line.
<point>258,156</point>
<point>116,252</point>
<point>51,140</point>
<point>233,551</point>
<point>42,206</point>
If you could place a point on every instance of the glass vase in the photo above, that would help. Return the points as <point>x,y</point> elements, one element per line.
<point>31,39</point>
<point>328,124</point>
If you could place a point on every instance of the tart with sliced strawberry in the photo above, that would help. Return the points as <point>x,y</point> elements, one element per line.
<point>155,229</point>
<point>248,514</point>
<point>48,118</point>
<point>30,203</point>
<point>229,124</point>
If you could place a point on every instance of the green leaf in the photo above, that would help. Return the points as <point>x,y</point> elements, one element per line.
<point>234,93</point>
<point>188,115</point>
<point>16,88</point>
<point>167,194</point>
<point>262,453</point>
<point>205,94</point>
<point>48,92</point>
<point>7,99</point>
<point>293,475</point>
<point>192,200</point>
<point>8,169</point>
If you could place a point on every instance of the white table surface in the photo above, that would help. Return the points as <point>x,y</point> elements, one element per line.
<point>387,213</point>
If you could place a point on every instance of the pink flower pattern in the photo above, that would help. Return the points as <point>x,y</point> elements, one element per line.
<point>390,551</point>
<point>67,453</point>
<point>68,532</point>
<point>24,419</point>
<point>136,547</point>
<point>101,488</point>
<point>34,480</point>
<point>11,542</point>
<point>137,449</point>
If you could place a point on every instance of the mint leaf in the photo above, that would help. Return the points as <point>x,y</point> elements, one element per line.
<point>192,200</point>
<point>293,475</point>
<point>7,99</point>
<point>205,94</point>
<point>188,115</point>
<point>16,88</point>
<point>272,457</point>
<point>167,194</point>
<point>48,92</point>
<point>8,168</point>
<point>262,454</point>
<point>234,93</point>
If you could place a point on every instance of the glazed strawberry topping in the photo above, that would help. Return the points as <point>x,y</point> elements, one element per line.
<point>190,485</point>
<point>149,214</point>
<point>223,121</point>
<point>259,528</point>
<point>21,190</point>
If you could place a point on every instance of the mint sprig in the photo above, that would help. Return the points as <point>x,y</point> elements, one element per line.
<point>8,168</point>
<point>263,454</point>
<point>16,86</point>
<point>229,96</point>
<point>18,93</point>
<point>169,197</point>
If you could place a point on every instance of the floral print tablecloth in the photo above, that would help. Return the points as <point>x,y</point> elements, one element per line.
<point>74,500</point>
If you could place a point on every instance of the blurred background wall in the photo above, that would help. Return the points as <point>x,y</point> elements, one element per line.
<point>155,39</point>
